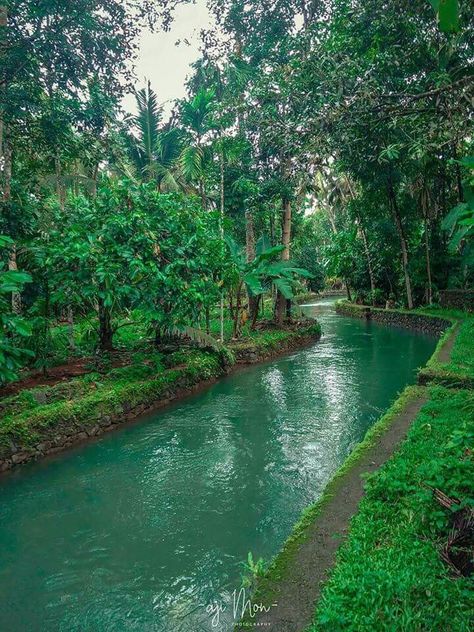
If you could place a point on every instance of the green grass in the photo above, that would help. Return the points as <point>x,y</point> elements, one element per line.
<point>389,574</point>
<point>458,372</point>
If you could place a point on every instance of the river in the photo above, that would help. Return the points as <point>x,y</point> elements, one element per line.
<point>147,526</point>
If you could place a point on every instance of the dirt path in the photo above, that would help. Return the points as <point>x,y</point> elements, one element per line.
<point>445,351</point>
<point>297,592</point>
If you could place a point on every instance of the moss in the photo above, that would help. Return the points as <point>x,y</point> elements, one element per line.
<point>270,339</point>
<point>67,408</point>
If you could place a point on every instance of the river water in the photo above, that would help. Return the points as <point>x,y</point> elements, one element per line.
<point>144,528</point>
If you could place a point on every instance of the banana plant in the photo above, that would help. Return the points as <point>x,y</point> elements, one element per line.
<point>12,326</point>
<point>258,275</point>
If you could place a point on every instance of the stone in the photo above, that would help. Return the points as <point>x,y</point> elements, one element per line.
<point>20,457</point>
<point>44,446</point>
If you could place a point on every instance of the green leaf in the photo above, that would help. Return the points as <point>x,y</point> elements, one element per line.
<point>448,14</point>
<point>21,327</point>
<point>467,161</point>
<point>253,284</point>
<point>284,287</point>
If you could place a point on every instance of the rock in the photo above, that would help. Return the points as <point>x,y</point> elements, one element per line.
<point>43,447</point>
<point>20,457</point>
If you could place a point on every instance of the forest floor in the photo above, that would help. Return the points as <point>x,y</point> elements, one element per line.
<point>346,514</point>
<point>75,367</point>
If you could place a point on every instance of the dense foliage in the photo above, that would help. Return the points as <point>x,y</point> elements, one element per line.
<point>321,143</point>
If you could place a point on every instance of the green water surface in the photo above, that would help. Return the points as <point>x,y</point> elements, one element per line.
<point>144,528</point>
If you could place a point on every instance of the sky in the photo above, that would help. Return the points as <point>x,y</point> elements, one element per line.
<point>165,64</point>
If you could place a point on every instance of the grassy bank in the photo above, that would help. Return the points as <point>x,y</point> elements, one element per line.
<point>45,419</point>
<point>390,574</point>
<point>457,369</point>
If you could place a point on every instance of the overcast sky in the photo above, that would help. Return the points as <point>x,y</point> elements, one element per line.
<point>164,63</point>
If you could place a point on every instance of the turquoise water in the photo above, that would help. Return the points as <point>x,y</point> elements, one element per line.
<point>146,527</point>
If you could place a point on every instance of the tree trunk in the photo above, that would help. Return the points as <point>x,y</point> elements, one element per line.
<point>403,243</point>
<point>428,262</point>
<point>70,328</point>
<point>255,316</point>
<point>7,179</point>
<point>16,296</point>
<point>250,255</point>
<point>367,256</point>
<point>3,25</point>
<point>59,184</point>
<point>236,332</point>
<point>95,175</point>
<point>348,290</point>
<point>280,308</point>
<point>426,217</point>
<point>105,327</point>
<point>208,319</point>
<point>221,231</point>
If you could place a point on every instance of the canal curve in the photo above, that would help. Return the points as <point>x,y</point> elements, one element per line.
<point>144,528</point>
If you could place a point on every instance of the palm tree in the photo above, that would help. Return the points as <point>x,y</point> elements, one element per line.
<point>154,151</point>
<point>197,118</point>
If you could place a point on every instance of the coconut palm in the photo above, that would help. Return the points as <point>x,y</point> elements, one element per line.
<point>154,150</point>
<point>197,117</point>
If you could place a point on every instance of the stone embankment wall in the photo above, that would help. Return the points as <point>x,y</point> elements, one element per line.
<point>408,320</point>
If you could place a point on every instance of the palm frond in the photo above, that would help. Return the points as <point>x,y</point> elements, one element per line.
<point>148,119</point>
<point>196,335</point>
<point>190,161</point>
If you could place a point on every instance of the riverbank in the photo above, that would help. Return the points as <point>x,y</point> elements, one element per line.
<point>41,421</point>
<point>296,576</point>
<point>407,563</point>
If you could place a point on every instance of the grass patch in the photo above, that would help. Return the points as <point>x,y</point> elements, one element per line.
<point>389,574</point>
<point>69,407</point>
<point>84,402</point>
<point>268,340</point>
